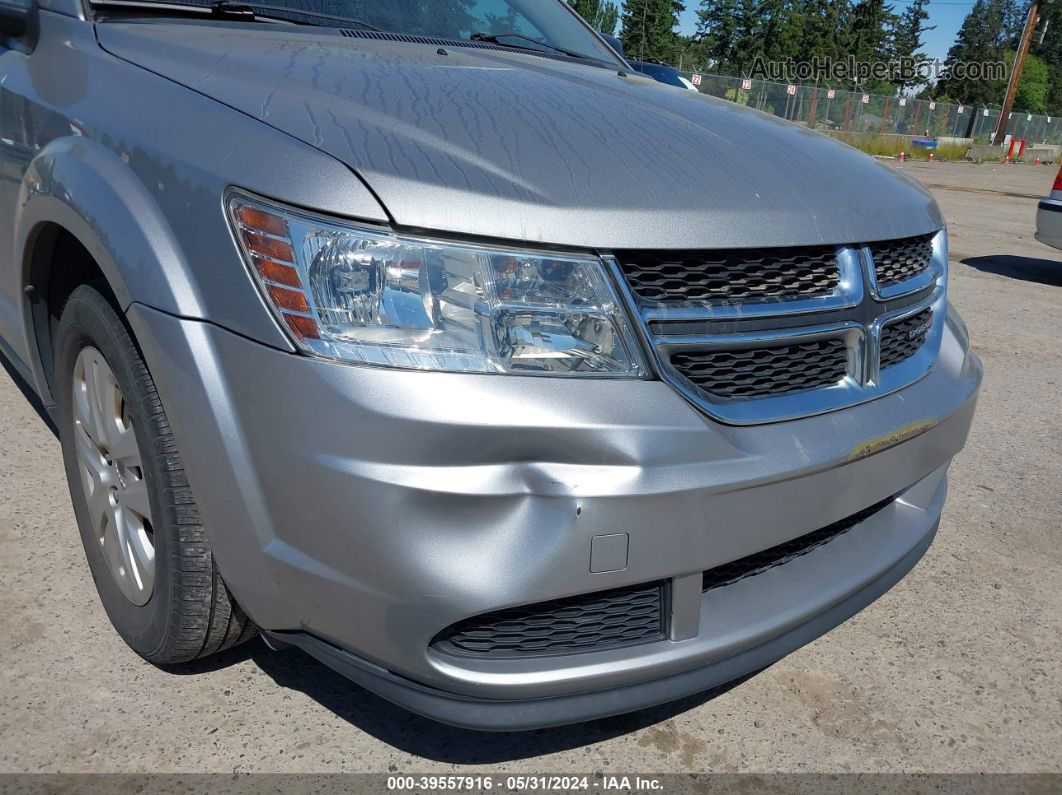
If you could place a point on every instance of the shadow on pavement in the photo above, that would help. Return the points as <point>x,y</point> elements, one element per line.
<point>30,394</point>
<point>215,662</point>
<point>1029,269</point>
<point>426,738</point>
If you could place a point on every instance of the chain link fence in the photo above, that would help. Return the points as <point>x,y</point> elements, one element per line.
<point>836,110</point>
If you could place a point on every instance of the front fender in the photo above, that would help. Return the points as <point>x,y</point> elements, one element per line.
<point>89,191</point>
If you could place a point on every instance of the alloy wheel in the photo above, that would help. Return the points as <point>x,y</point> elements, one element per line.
<point>112,475</point>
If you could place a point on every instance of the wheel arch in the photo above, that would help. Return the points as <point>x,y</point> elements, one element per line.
<point>83,215</point>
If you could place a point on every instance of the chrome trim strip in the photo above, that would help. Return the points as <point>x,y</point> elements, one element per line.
<point>759,339</point>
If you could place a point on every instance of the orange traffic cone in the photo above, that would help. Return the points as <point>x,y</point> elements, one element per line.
<point>903,156</point>
<point>930,157</point>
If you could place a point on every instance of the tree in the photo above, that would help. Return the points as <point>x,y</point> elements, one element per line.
<point>825,23</point>
<point>907,39</point>
<point>649,28</point>
<point>870,38</point>
<point>602,15</point>
<point>717,29</point>
<point>727,30</point>
<point>779,31</point>
<point>1033,88</point>
<point>987,34</point>
<point>745,46</point>
<point>1050,52</point>
<point>691,55</point>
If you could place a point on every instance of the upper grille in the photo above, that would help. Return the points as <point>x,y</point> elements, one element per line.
<point>775,274</point>
<point>759,562</point>
<point>755,372</point>
<point>730,328</point>
<point>897,261</point>
<point>902,339</point>
<point>590,622</point>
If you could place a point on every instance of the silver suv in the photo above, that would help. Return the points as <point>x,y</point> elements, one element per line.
<point>427,336</point>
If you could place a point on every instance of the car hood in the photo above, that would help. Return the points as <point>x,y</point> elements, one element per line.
<point>501,144</point>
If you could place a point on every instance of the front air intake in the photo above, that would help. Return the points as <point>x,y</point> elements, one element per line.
<point>759,562</point>
<point>589,622</point>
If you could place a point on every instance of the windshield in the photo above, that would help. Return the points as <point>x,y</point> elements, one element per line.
<point>531,21</point>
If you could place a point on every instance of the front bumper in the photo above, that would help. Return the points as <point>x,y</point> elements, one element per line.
<point>364,510</point>
<point>486,714</point>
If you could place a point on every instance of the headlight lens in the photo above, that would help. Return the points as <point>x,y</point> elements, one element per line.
<point>371,296</point>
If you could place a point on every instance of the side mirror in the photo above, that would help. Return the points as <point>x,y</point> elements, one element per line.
<point>613,42</point>
<point>18,21</point>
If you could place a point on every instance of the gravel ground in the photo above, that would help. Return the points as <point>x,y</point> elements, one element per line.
<point>959,668</point>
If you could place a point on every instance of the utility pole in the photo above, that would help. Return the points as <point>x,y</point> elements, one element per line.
<point>1015,72</point>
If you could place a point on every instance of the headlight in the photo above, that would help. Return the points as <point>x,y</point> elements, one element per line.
<point>368,295</point>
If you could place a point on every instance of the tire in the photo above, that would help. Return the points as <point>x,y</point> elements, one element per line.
<point>142,527</point>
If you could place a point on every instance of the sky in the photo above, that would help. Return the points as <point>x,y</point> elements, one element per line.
<point>947,16</point>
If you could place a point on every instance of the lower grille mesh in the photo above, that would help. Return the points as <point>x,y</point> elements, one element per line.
<point>902,339</point>
<point>589,622</point>
<point>757,563</point>
<point>755,372</point>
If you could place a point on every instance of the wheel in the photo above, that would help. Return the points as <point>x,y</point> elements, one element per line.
<point>146,549</point>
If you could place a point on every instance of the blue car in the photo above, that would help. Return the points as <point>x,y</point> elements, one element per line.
<point>663,74</point>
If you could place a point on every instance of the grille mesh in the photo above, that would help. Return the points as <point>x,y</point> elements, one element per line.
<point>590,622</point>
<point>757,563</point>
<point>902,339</point>
<point>721,276</point>
<point>897,261</point>
<point>756,372</point>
